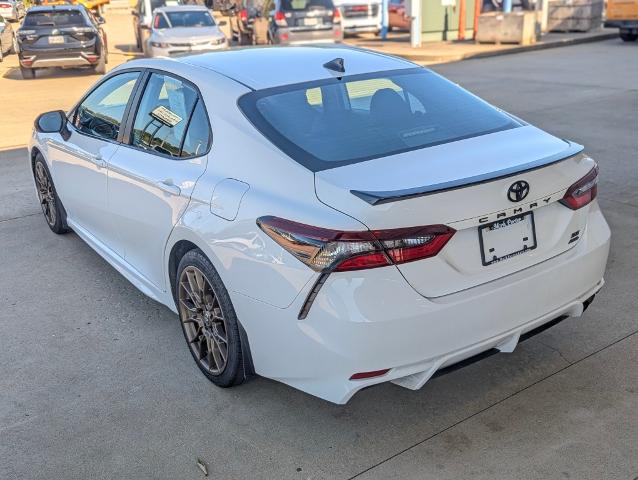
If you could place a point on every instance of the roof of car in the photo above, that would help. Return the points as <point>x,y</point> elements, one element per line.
<point>264,67</point>
<point>182,8</point>
<point>48,8</point>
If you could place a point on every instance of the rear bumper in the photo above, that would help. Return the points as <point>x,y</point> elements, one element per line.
<point>374,320</point>
<point>622,24</point>
<point>361,24</point>
<point>57,58</point>
<point>286,36</point>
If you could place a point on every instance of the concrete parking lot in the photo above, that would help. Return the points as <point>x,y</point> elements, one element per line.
<point>97,381</point>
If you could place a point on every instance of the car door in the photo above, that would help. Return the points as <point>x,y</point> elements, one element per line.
<point>79,164</point>
<point>151,178</point>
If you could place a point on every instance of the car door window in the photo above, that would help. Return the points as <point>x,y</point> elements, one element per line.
<point>100,114</point>
<point>197,138</point>
<point>163,115</point>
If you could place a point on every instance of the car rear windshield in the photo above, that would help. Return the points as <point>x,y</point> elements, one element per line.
<point>296,5</point>
<point>59,18</point>
<point>335,122</point>
<point>190,19</point>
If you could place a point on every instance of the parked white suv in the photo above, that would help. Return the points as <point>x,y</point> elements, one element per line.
<point>359,16</point>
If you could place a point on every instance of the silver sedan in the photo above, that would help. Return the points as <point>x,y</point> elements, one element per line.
<point>183,29</point>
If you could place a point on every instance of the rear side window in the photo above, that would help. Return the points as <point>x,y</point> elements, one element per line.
<point>100,113</point>
<point>336,122</point>
<point>163,115</point>
<point>59,18</point>
<point>197,138</point>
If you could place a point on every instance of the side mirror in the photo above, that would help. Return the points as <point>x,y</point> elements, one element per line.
<point>100,20</point>
<point>53,122</point>
<point>222,23</point>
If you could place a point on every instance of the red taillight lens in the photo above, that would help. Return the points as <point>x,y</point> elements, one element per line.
<point>5,5</point>
<point>326,250</point>
<point>336,16</point>
<point>280,19</point>
<point>243,15</point>
<point>583,191</point>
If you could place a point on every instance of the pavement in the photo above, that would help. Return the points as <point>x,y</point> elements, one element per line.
<point>432,53</point>
<point>97,381</point>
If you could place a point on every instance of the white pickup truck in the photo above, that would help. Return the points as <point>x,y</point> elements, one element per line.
<point>360,15</point>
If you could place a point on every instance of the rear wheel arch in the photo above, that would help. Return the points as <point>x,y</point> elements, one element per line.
<point>177,252</point>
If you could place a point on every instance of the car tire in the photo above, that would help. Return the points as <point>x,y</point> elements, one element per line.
<point>52,207</point>
<point>628,37</point>
<point>209,322</point>
<point>27,73</point>
<point>100,68</point>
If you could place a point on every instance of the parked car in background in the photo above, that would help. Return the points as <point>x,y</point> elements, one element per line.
<point>360,15</point>
<point>397,15</point>
<point>143,17</point>
<point>305,21</point>
<point>183,29</point>
<point>8,42</point>
<point>357,219</point>
<point>61,36</point>
<point>12,10</point>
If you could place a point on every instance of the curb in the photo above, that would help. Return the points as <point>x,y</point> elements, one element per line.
<point>8,148</point>
<point>507,51</point>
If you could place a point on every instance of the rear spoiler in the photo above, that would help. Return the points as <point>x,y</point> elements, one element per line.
<point>378,198</point>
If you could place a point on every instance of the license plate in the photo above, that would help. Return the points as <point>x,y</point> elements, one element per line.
<point>310,21</point>
<point>56,39</point>
<point>507,238</point>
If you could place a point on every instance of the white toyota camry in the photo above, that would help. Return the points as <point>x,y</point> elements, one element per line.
<point>327,217</point>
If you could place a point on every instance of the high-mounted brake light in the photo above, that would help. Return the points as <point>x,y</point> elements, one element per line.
<point>583,191</point>
<point>326,250</point>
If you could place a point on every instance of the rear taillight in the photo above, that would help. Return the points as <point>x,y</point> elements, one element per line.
<point>583,191</point>
<point>243,15</point>
<point>280,19</point>
<point>336,16</point>
<point>5,5</point>
<point>326,250</point>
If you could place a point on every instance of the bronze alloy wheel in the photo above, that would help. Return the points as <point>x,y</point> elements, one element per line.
<point>45,194</point>
<point>203,321</point>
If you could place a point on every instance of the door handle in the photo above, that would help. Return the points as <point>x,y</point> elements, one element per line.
<point>168,186</point>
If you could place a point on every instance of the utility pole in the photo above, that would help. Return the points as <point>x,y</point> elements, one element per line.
<point>384,19</point>
<point>461,35</point>
<point>415,24</point>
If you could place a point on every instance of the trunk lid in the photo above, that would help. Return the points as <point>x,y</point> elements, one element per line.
<point>465,185</point>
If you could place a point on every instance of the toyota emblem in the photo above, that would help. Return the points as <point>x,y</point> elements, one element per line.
<point>518,191</point>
